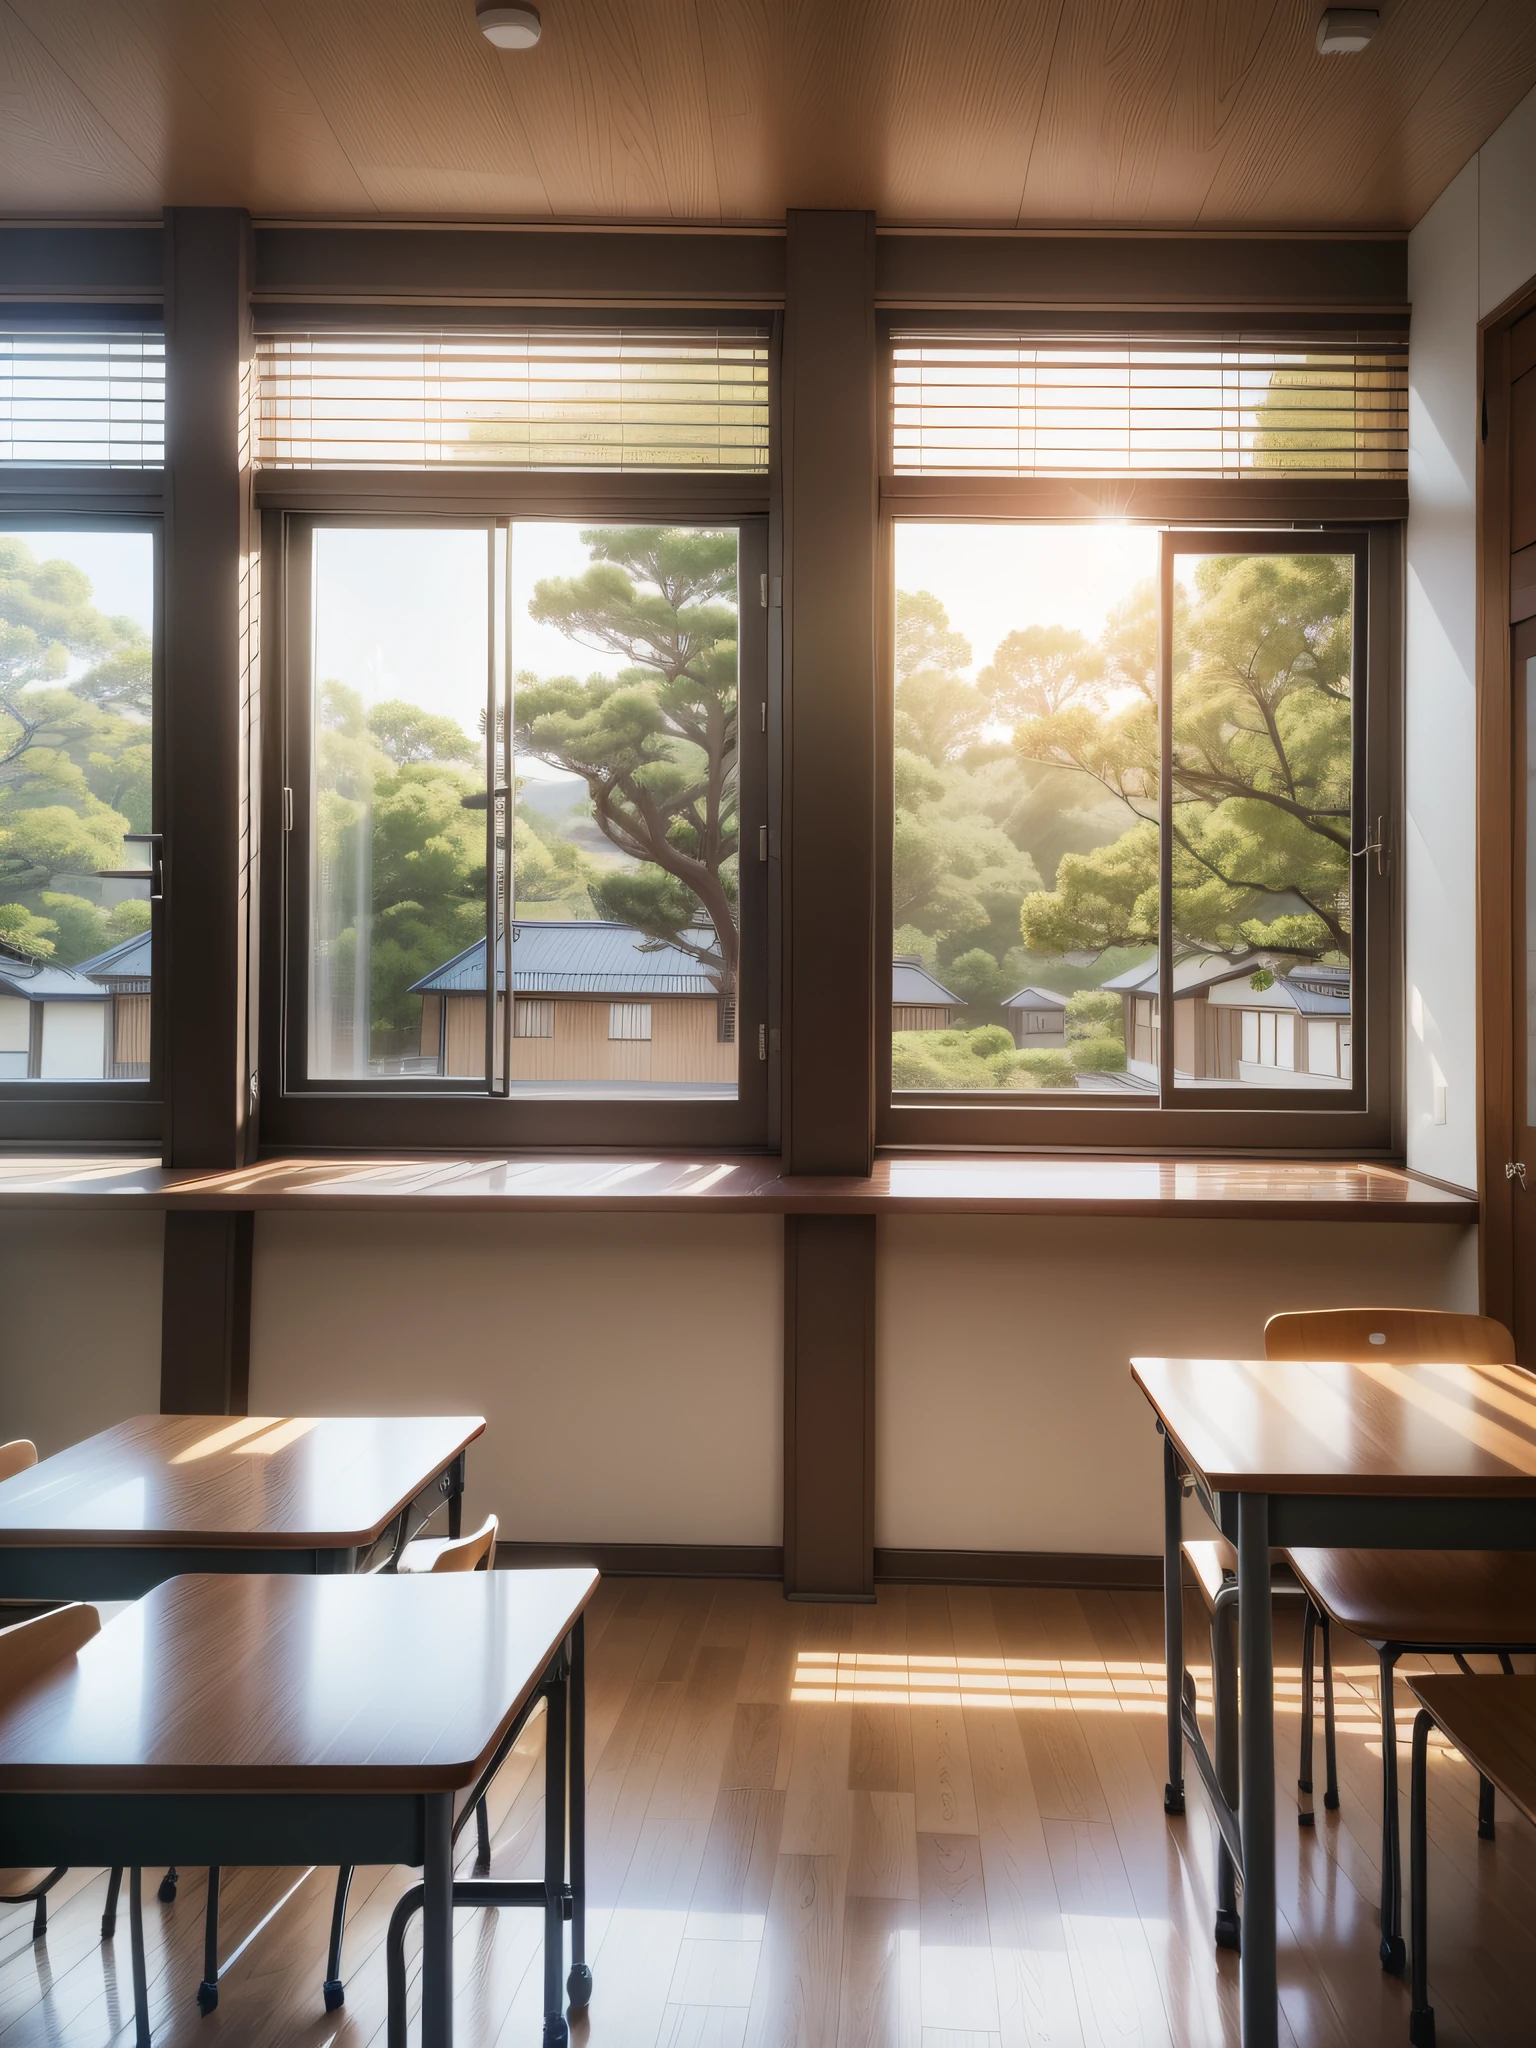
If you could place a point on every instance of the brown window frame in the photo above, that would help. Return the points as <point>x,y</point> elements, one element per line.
<point>444,1113</point>
<point>1368,1122</point>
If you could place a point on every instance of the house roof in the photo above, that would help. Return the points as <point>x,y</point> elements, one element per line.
<point>128,960</point>
<point>913,985</point>
<point>1034,999</point>
<point>575,957</point>
<point>1285,994</point>
<point>1190,971</point>
<point>1195,971</point>
<point>38,981</point>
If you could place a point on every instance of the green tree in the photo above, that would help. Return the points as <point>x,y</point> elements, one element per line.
<point>657,745</point>
<point>408,734</point>
<point>1261,769</point>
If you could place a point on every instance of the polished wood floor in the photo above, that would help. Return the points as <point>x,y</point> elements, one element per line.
<point>931,1823</point>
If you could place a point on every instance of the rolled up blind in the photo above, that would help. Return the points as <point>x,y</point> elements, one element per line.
<point>1015,405</point>
<point>81,399</point>
<point>611,398</point>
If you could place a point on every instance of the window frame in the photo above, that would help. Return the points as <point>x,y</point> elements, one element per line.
<point>443,1113</point>
<point>105,1112</point>
<point>1369,1123</point>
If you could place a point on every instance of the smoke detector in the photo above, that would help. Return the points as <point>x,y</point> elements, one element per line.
<point>509,28</point>
<point>1343,30</point>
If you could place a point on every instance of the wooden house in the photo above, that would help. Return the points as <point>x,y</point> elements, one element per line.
<point>918,1001</point>
<point>1036,1017</point>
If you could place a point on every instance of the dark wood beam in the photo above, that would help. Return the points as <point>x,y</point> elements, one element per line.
<point>205,1314</point>
<point>829,1407</point>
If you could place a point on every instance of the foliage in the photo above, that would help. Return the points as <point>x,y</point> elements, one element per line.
<point>984,1058</point>
<point>1261,770</point>
<point>1094,1013</point>
<point>408,734</point>
<point>657,745</point>
<point>1099,1055</point>
<point>75,753</point>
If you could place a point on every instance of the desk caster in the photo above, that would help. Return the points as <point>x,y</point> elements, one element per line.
<point>556,2033</point>
<point>1229,1932</point>
<point>579,1987</point>
<point>207,1997</point>
<point>167,1891</point>
<point>1394,1954</point>
<point>335,1993</point>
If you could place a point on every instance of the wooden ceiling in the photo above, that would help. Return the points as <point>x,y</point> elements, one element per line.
<point>1134,113</point>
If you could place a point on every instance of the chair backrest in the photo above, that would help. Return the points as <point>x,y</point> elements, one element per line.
<point>20,1455</point>
<point>475,1553</point>
<point>31,1647</point>
<point>1398,1336</point>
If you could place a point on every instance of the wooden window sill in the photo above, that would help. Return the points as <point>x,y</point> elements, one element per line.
<point>927,1184</point>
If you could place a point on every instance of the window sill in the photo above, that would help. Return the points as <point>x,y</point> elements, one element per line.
<point>929,1184</point>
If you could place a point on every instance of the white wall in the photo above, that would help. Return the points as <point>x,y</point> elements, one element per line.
<point>80,1322</point>
<point>1474,247</point>
<point>1005,1414</point>
<point>631,1367</point>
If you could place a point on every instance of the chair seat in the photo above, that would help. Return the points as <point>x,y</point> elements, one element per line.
<point>17,1885</point>
<point>422,1555</point>
<point>1451,1598</point>
<point>1214,1562</point>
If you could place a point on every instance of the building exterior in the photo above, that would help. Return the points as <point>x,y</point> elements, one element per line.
<point>591,1002</point>
<point>85,1023</point>
<point>918,1002</point>
<point>1291,1030</point>
<point>1036,1017</point>
<point>124,972</point>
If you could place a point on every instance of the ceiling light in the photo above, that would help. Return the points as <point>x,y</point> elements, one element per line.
<point>509,28</point>
<point>1344,30</point>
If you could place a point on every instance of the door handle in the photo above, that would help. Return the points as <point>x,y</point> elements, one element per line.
<point>154,874</point>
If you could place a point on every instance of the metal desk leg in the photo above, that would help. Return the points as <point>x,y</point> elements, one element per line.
<point>1260,1987</point>
<point>1229,1932</point>
<point>1421,2019</point>
<point>208,1990</point>
<point>455,1477</point>
<point>136,1943</point>
<point>579,1984</point>
<point>556,1711</point>
<point>437,1925</point>
<point>1173,1622</point>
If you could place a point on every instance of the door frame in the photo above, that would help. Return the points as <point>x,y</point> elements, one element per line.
<point>1498,943</point>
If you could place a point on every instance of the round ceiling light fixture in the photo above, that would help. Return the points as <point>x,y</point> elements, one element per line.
<point>508,27</point>
<point>1344,30</point>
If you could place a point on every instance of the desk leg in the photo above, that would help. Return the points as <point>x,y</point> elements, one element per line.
<point>579,1984</point>
<point>556,1711</point>
<point>1260,1987</point>
<point>456,1498</point>
<point>437,1925</point>
<point>1173,1623</point>
<point>136,1943</point>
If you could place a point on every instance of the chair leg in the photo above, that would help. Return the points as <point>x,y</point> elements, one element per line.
<point>109,1915</point>
<point>40,1917</point>
<point>208,1990</point>
<point>136,1944</point>
<point>1330,1744</point>
<point>1229,1928</point>
<point>482,1838</point>
<point>335,1990</point>
<point>1394,1953</point>
<point>409,1902</point>
<point>1485,1827</point>
<point>167,1891</point>
<point>556,2032</point>
<point>1421,2018</point>
<point>578,1985</point>
<point>1305,1817</point>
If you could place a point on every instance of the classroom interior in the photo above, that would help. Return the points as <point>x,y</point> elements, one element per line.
<point>734,743</point>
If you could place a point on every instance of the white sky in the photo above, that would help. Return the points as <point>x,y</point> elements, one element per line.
<point>993,578</point>
<point>120,565</point>
<point>400,612</point>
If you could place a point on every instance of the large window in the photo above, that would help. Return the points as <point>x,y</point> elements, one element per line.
<point>581,682</point>
<point>1138,833</point>
<point>79,852</point>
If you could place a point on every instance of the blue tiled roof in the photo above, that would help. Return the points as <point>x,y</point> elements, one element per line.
<point>580,957</point>
<point>128,960</point>
<point>914,985</point>
<point>40,982</point>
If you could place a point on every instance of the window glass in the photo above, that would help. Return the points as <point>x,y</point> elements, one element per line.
<point>1263,768</point>
<point>76,798</point>
<point>1025,878</point>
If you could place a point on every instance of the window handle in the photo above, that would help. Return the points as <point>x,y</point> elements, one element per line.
<point>1376,845</point>
<point>154,874</point>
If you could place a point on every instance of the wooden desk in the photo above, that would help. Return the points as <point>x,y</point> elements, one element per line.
<point>1326,1456</point>
<point>253,1719</point>
<point>160,1495</point>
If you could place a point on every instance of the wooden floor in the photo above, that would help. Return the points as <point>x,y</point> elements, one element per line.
<point>931,1823</point>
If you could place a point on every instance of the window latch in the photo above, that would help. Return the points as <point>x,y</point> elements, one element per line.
<point>154,873</point>
<point>1376,845</point>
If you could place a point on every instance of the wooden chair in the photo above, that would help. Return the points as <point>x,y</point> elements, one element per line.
<point>19,1455</point>
<point>1435,1603</point>
<point>476,1553</point>
<point>28,1649</point>
<point>1492,1721</point>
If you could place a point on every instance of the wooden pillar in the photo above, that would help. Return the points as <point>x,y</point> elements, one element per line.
<point>209,633</point>
<point>830,498</point>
